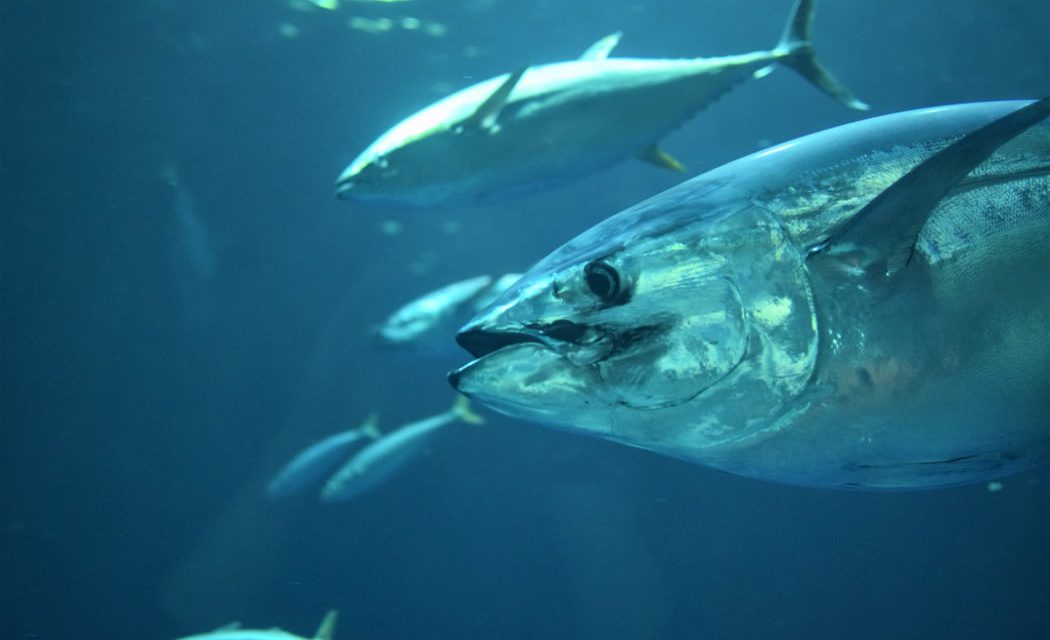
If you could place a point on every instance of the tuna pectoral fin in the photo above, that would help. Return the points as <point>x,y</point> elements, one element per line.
<point>890,224</point>
<point>600,50</point>
<point>485,116</point>
<point>796,49</point>
<point>327,628</point>
<point>655,155</point>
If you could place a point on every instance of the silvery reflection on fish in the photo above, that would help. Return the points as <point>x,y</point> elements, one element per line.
<point>383,459</point>
<point>428,323</point>
<point>549,124</point>
<point>865,307</point>
<point>310,465</point>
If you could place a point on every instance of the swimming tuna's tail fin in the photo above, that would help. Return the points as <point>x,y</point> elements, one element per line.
<point>465,413</point>
<point>796,45</point>
<point>327,628</point>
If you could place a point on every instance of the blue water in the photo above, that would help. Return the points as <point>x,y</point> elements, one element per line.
<point>186,305</point>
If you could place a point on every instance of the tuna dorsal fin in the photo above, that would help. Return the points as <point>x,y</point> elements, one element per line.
<point>488,112</point>
<point>600,50</point>
<point>890,224</point>
<point>327,628</point>
<point>653,154</point>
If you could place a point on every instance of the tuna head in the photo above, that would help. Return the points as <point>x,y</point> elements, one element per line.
<point>402,171</point>
<point>439,154</point>
<point>678,325</point>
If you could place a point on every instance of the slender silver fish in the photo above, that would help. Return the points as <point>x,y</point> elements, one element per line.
<point>865,307</point>
<point>318,460</point>
<point>550,124</point>
<point>429,323</point>
<point>381,460</point>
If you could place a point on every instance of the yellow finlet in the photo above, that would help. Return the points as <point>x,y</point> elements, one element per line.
<point>655,155</point>
<point>465,413</point>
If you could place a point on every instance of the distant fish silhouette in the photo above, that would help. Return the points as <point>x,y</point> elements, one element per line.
<point>427,325</point>
<point>193,259</point>
<point>234,631</point>
<point>316,461</point>
<point>384,458</point>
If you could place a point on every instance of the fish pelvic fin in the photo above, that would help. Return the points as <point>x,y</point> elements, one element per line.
<point>370,427</point>
<point>796,51</point>
<point>464,412</point>
<point>327,628</point>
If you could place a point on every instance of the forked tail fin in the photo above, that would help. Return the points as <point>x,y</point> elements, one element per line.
<point>796,46</point>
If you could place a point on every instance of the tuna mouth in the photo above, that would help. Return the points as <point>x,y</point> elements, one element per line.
<point>553,335</point>
<point>480,343</point>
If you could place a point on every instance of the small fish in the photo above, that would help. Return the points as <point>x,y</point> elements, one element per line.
<point>549,124</point>
<point>234,631</point>
<point>862,308</point>
<point>193,256</point>
<point>428,324</point>
<point>195,243</point>
<point>381,460</point>
<point>316,461</point>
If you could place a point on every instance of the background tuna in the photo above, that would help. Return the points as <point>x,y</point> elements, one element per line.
<point>136,449</point>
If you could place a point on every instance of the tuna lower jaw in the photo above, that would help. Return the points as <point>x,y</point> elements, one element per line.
<point>498,369</point>
<point>529,381</point>
<point>522,375</point>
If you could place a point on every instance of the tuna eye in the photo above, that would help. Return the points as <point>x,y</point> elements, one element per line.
<point>603,281</point>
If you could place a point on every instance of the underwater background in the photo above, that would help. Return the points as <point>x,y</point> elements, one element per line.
<point>185,305</point>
